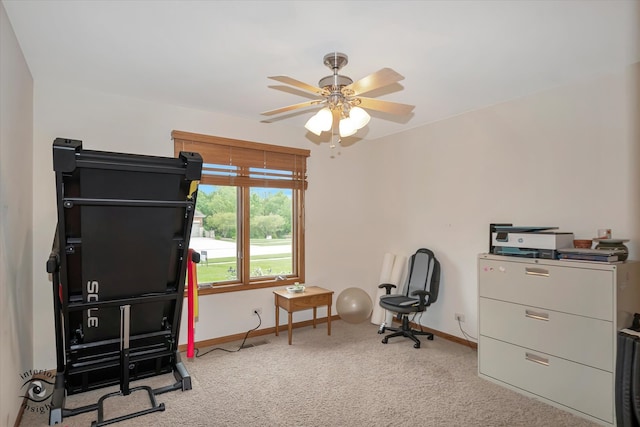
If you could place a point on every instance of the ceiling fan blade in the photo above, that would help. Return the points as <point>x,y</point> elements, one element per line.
<point>293,107</point>
<point>385,106</point>
<point>380,78</point>
<point>298,84</point>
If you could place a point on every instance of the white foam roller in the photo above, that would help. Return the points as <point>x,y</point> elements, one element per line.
<point>378,314</point>
<point>397,270</point>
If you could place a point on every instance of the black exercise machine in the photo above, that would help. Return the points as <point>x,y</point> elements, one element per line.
<point>118,267</point>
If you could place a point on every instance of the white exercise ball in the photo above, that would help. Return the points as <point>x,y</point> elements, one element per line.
<point>354,305</point>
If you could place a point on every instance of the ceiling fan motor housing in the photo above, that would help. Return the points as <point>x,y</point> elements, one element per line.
<point>335,60</point>
<point>337,80</point>
<point>334,83</point>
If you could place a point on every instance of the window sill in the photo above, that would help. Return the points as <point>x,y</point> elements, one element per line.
<point>219,289</point>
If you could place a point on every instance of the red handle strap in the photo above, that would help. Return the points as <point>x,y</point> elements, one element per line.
<point>191,296</point>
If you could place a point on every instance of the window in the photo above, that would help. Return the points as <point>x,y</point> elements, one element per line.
<point>249,220</point>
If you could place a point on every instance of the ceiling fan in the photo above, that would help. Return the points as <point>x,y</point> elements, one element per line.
<point>341,98</point>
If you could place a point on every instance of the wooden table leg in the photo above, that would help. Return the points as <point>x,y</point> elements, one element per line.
<point>315,309</point>
<point>277,318</point>
<point>329,319</point>
<point>290,326</point>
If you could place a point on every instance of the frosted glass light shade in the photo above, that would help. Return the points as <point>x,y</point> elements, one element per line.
<point>359,117</point>
<point>347,127</point>
<point>325,117</point>
<point>320,122</point>
<point>313,125</point>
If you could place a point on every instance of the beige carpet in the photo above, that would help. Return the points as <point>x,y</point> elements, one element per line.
<point>347,379</point>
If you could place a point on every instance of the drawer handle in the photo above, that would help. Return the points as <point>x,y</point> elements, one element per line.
<point>532,271</point>
<point>536,359</point>
<point>538,316</point>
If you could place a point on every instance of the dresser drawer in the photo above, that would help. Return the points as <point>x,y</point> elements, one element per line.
<point>582,339</point>
<point>574,385</point>
<point>579,290</point>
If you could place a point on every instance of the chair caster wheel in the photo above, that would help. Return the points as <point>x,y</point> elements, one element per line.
<point>381,330</point>
<point>416,345</point>
<point>384,340</point>
<point>430,337</point>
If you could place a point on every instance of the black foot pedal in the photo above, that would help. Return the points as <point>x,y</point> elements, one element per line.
<point>155,407</point>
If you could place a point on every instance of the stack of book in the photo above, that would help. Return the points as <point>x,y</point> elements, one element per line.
<point>591,255</point>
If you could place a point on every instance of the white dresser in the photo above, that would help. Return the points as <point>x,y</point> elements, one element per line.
<point>548,328</point>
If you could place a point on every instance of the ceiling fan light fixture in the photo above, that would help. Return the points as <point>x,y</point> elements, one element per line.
<point>341,97</point>
<point>320,122</point>
<point>359,116</point>
<point>313,125</point>
<point>347,127</point>
<point>325,118</point>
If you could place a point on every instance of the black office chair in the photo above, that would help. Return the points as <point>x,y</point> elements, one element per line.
<point>421,290</point>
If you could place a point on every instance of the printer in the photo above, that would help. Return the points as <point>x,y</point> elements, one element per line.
<point>530,242</point>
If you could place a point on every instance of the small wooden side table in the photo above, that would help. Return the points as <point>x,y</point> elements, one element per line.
<point>312,297</point>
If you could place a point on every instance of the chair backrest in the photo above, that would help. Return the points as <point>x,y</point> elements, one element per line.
<point>424,274</point>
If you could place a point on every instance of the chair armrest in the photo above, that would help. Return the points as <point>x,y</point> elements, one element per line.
<point>387,286</point>
<point>422,295</point>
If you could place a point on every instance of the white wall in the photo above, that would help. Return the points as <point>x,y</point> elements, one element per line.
<point>567,157</point>
<point>16,142</point>
<point>338,238</point>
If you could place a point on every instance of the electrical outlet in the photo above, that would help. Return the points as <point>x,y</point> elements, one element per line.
<point>459,317</point>
<point>256,310</point>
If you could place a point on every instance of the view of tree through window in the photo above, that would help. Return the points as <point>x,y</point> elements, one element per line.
<point>270,227</point>
<point>216,228</point>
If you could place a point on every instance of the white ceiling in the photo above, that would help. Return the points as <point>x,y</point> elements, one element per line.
<point>456,56</point>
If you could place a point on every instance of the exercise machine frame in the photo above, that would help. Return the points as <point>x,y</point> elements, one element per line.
<point>118,267</point>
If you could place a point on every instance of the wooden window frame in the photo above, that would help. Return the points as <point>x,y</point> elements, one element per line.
<point>243,156</point>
